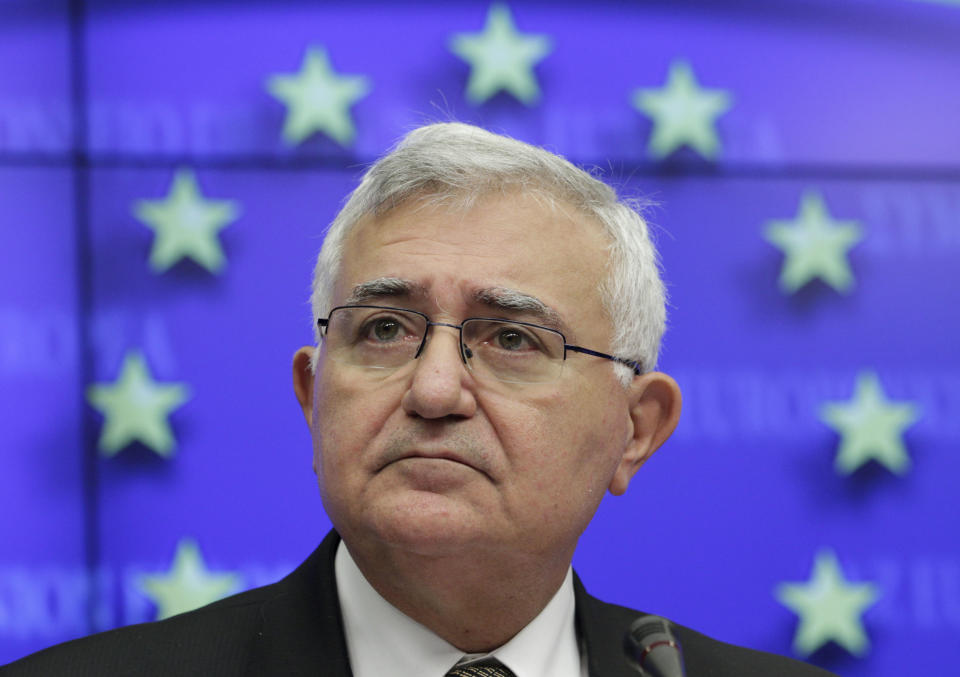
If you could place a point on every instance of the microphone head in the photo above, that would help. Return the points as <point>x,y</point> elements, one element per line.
<point>653,648</point>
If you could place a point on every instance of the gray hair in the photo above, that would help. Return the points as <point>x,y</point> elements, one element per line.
<point>456,164</point>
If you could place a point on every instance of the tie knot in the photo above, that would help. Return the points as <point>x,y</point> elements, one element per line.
<point>488,667</point>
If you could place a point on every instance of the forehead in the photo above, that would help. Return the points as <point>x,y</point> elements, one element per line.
<point>515,241</point>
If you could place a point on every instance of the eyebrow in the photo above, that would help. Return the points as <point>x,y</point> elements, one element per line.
<point>497,299</point>
<point>505,299</point>
<point>385,287</point>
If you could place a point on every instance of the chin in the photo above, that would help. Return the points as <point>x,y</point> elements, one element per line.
<point>428,524</point>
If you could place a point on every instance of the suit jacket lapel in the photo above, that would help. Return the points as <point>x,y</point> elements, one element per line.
<point>602,628</point>
<point>301,631</point>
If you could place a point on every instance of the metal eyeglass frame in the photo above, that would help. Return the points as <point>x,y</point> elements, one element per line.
<point>633,364</point>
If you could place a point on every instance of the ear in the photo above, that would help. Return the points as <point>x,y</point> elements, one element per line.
<point>654,400</point>
<point>303,378</point>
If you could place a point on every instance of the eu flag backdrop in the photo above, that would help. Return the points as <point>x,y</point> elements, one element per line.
<point>802,165</point>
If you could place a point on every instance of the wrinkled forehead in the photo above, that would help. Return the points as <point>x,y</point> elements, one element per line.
<point>453,201</point>
<point>546,249</point>
<point>454,206</point>
<point>516,216</point>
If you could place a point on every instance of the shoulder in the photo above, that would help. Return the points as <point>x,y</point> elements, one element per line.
<point>603,627</point>
<point>211,640</point>
<point>260,631</point>
<point>707,656</point>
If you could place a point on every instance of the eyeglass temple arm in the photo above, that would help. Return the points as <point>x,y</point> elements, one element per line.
<point>633,364</point>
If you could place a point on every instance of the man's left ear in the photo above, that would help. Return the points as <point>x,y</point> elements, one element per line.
<point>654,400</point>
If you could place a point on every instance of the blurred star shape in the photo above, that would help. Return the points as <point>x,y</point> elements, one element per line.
<point>135,408</point>
<point>188,584</point>
<point>870,427</point>
<point>815,246</point>
<point>186,225</point>
<point>501,58</point>
<point>318,99</point>
<point>683,113</point>
<point>829,608</point>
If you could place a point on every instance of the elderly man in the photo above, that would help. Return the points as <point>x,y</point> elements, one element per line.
<point>488,318</point>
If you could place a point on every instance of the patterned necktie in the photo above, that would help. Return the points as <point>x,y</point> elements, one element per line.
<point>488,667</point>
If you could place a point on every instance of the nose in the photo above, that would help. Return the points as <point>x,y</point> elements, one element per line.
<point>439,386</point>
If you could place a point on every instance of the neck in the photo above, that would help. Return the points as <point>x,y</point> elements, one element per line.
<point>475,603</point>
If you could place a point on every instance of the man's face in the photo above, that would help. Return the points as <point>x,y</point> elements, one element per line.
<point>426,457</point>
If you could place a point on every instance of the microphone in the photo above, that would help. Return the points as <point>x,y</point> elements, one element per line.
<point>653,649</point>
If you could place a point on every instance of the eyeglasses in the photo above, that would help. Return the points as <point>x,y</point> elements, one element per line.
<point>381,337</point>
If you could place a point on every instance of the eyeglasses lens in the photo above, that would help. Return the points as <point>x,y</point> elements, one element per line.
<point>378,338</point>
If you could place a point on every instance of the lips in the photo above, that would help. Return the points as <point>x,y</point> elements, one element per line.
<point>443,455</point>
<point>465,454</point>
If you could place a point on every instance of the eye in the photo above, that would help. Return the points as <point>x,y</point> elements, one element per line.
<point>511,339</point>
<point>385,329</point>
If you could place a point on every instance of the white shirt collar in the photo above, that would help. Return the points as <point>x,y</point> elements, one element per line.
<point>381,640</point>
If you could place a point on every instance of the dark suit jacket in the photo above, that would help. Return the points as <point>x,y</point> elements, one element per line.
<point>293,627</point>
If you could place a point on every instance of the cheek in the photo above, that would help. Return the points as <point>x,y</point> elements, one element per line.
<point>347,418</point>
<point>578,441</point>
<point>547,439</point>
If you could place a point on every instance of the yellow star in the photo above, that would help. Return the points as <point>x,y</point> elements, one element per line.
<point>682,113</point>
<point>501,58</point>
<point>188,585</point>
<point>186,225</point>
<point>814,245</point>
<point>317,99</point>
<point>829,608</point>
<point>136,408</point>
<point>870,426</point>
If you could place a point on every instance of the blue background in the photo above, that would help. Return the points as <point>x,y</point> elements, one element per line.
<point>100,102</point>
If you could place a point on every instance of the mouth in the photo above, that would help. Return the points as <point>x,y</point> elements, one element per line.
<point>438,456</point>
<point>434,456</point>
